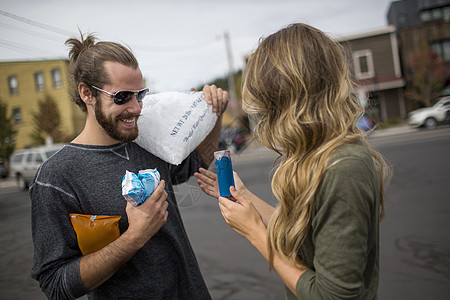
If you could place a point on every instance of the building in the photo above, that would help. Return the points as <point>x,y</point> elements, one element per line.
<point>378,75</point>
<point>412,13</point>
<point>422,24</point>
<point>24,83</point>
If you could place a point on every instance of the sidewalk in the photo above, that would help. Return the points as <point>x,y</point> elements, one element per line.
<point>393,130</point>
<point>7,182</point>
<point>255,150</point>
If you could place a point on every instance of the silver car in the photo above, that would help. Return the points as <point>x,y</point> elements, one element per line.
<point>430,117</point>
<point>25,163</point>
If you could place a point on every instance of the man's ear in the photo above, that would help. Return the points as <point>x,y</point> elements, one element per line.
<point>85,93</point>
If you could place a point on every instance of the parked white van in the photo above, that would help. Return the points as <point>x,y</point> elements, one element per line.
<point>25,163</point>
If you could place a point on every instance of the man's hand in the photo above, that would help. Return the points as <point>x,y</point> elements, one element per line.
<point>146,219</point>
<point>217,97</point>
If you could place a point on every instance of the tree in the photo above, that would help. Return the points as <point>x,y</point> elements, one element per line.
<point>222,82</point>
<point>7,134</point>
<point>47,123</point>
<point>427,75</point>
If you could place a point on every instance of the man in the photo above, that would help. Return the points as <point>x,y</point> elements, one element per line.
<point>152,258</point>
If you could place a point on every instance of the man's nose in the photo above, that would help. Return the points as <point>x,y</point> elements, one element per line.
<point>134,105</point>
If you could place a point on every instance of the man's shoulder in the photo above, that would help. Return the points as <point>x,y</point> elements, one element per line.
<point>138,151</point>
<point>56,164</point>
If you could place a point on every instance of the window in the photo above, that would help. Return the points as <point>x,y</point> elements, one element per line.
<point>38,158</point>
<point>437,13</point>
<point>17,158</point>
<point>446,14</point>
<point>29,158</point>
<point>17,115</point>
<point>442,48</point>
<point>446,50</point>
<point>56,78</point>
<point>425,16</point>
<point>13,85</point>
<point>39,80</point>
<point>363,64</point>
<point>50,152</point>
<point>440,13</point>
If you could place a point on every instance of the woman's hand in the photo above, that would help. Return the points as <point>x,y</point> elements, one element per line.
<point>242,216</point>
<point>207,181</point>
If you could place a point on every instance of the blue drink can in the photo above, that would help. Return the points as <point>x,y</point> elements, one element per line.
<point>224,172</point>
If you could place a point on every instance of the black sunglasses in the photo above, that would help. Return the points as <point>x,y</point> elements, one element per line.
<point>122,97</point>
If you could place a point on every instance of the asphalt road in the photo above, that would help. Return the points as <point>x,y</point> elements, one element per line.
<point>415,243</point>
<point>415,238</point>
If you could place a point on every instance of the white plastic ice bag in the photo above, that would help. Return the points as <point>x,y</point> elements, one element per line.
<point>173,124</point>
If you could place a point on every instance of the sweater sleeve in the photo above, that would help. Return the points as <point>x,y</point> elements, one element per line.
<point>340,233</point>
<point>56,253</point>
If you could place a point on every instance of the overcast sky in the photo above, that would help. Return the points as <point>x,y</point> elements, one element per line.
<point>179,44</point>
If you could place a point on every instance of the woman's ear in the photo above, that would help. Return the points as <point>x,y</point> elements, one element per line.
<point>85,93</point>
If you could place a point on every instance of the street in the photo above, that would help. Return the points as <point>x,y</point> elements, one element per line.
<point>415,244</point>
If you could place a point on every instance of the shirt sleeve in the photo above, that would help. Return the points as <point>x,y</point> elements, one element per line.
<point>340,233</point>
<point>181,173</point>
<point>57,256</point>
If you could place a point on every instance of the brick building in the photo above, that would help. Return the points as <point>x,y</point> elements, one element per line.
<point>422,23</point>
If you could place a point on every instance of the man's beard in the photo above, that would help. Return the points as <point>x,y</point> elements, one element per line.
<point>111,126</point>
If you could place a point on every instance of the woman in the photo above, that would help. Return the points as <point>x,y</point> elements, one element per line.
<point>323,237</point>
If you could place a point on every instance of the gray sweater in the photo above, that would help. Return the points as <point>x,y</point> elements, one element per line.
<point>87,180</point>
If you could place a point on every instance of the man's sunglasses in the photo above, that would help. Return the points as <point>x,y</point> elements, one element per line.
<point>122,97</point>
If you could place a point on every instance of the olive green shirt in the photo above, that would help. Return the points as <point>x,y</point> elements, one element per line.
<point>342,249</point>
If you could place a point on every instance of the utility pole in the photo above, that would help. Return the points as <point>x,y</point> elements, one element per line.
<point>231,85</point>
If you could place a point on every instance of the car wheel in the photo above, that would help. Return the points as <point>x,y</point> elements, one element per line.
<point>21,182</point>
<point>430,123</point>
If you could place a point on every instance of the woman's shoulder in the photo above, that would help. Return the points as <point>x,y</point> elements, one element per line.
<point>353,151</point>
<point>351,160</point>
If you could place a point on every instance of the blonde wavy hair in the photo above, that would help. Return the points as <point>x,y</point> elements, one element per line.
<point>299,86</point>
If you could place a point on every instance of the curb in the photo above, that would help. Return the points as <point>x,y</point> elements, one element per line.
<point>255,150</point>
<point>395,130</point>
<point>7,183</point>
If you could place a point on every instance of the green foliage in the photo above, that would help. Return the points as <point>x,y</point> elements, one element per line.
<point>47,123</point>
<point>222,82</point>
<point>7,134</point>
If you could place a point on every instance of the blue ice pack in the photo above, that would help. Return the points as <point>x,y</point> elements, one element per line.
<point>137,188</point>
<point>150,180</point>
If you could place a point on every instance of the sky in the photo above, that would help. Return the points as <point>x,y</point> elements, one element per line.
<point>179,44</point>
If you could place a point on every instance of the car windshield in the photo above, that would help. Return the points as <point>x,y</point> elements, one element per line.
<point>441,101</point>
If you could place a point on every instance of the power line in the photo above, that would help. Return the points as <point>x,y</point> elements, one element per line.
<point>24,49</point>
<point>30,32</point>
<point>37,24</point>
<point>176,48</point>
